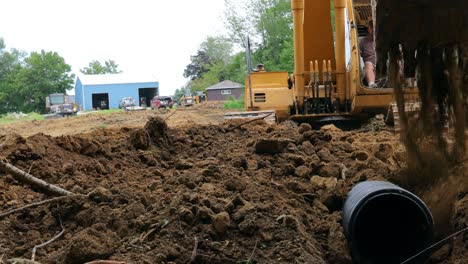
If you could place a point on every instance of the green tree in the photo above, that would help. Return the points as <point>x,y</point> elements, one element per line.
<point>43,73</point>
<point>269,24</point>
<point>96,67</point>
<point>198,65</point>
<point>211,64</point>
<point>10,64</point>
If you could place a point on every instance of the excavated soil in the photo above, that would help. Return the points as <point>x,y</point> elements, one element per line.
<point>205,194</point>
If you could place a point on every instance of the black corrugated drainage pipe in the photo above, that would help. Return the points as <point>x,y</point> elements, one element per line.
<point>386,224</point>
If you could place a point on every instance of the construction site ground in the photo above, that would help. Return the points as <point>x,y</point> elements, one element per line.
<point>187,187</point>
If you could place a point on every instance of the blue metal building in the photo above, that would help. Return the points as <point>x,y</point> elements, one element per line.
<point>104,91</point>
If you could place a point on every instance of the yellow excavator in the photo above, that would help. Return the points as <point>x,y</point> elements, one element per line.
<point>327,84</point>
<point>418,42</point>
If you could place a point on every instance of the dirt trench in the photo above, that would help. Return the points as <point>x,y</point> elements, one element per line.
<point>203,194</point>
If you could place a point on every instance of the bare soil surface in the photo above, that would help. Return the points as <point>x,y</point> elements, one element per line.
<point>190,190</point>
<point>205,114</point>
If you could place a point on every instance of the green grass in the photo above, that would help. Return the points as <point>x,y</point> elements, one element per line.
<point>101,126</point>
<point>110,111</point>
<point>13,117</point>
<point>105,112</point>
<point>233,103</point>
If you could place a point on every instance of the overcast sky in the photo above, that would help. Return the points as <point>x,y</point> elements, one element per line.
<point>143,36</point>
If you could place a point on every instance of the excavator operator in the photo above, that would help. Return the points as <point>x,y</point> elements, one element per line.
<point>367,51</point>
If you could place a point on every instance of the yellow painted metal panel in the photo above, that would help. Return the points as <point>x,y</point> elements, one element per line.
<point>318,34</point>
<point>270,91</point>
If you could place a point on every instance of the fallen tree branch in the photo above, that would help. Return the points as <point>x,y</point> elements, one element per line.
<point>36,247</point>
<point>27,178</point>
<point>194,252</point>
<point>248,122</point>
<point>53,200</point>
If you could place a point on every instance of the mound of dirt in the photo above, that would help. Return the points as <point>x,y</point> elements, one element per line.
<point>203,194</point>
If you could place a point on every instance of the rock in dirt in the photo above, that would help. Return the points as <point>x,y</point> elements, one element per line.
<point>302,171</point>
<point>235,185</point>
<point>328,183</point>
<point>304,127</point>
<point>240,214</point>
<point>325,155</point>
<point>186,215</point>
<point>221,222</point>
<point>271,146</point>
<point>308,148</point>
<point>96,242</point>
<point>205,214</point>
<point>361,155</point>
<point>330,170</point>
<point>101,195</point>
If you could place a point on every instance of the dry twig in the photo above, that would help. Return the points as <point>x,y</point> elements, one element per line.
<point>27,178</point>
<point>253,252</point>
<point>53,200</point>
<point>173,113</point>
<point>144,236</point>
<point>30,167</point>
<point>248,122</point>
<point>48,242</point>
<point>194,252</point>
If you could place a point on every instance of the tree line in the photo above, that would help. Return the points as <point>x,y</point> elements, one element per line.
<point>26,79</point>
<point>268,23</point>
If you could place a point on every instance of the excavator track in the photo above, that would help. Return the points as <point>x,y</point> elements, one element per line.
<point>426,40</point>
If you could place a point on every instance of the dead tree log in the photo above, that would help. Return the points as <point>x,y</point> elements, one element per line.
<point>27,178</point>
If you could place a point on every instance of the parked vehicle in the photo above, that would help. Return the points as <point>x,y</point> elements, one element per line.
<point>60,104</point>
<point>129,104</point>
<point>187,100</point>
<point>126,102</point>
<point>162,102</point>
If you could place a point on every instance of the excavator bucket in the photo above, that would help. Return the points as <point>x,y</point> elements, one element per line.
<point>427,41</point>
